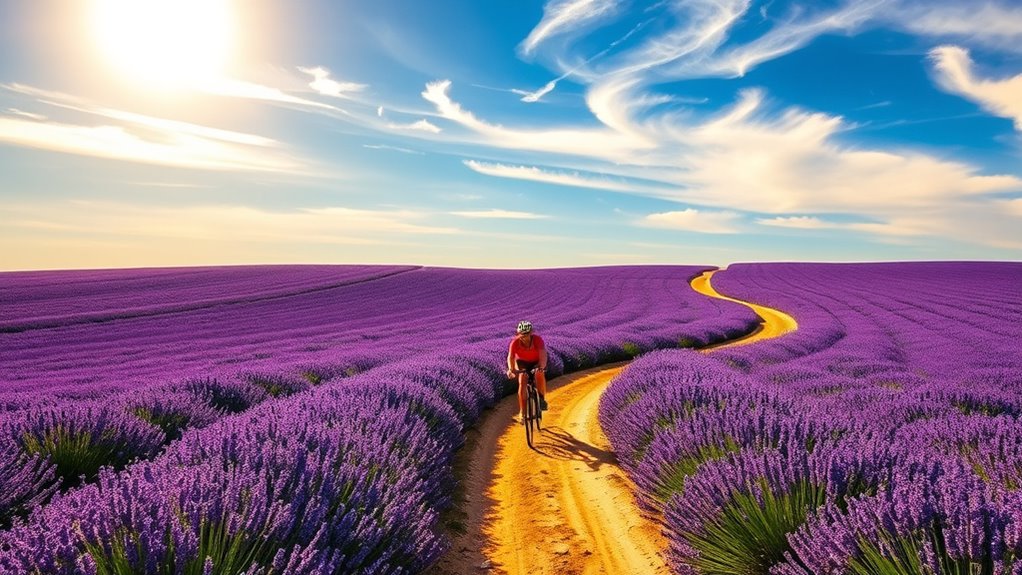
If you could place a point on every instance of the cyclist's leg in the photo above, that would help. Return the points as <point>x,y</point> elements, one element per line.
<point>523,379</point>
<point>522,392</point>
<point>541,387</point>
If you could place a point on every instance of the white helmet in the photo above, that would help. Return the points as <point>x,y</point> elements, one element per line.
<point>524,327</point>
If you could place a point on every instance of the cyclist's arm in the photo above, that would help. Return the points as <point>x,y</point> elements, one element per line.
<point>511,357</point>
<point>542,357</point>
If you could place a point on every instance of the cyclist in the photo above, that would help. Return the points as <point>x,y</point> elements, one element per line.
<point>527,351</point>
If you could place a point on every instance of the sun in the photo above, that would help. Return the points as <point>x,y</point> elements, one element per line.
<point>165,44</point>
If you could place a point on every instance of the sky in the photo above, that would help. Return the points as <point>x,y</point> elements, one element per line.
<point>150,133</point>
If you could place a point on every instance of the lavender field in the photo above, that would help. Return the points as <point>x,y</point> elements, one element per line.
<point>296,419</point>
<point>882,437</point>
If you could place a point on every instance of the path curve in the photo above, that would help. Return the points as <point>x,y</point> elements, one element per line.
<point>565,507</point>
<point>775,322</point>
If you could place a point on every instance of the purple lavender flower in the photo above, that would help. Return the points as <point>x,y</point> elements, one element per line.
<point>80,439</point>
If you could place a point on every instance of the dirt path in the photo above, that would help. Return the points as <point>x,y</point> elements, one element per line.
<point>775,323</point>
<point>565,507</point>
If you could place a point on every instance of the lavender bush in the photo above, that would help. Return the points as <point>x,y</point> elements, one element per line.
<point>881,437</point>
<point>80,439</point>
<point>317,421</point>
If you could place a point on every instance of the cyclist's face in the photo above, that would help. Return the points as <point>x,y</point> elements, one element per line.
<point>524,336</point>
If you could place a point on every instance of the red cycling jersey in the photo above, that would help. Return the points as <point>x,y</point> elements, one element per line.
<point>518,350</point>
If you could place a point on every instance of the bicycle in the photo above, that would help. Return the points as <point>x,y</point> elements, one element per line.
<point>533,414</point>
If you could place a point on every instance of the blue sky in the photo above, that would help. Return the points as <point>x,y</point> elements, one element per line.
<point>508,134</point>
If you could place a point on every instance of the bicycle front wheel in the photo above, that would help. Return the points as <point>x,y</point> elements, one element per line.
<point>527,421</point>
<point>532,415</point>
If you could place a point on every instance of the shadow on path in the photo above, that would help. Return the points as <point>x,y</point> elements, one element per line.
<point>556,443</point>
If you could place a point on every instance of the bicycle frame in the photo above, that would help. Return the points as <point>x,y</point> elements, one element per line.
<point>533,414</point>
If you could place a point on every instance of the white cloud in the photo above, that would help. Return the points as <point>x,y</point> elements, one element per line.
<point>535,174</point>
<point>184,147</point>
<point>989,24</point>
<point>249,90</point>
<point>140,138</point>
<point>227,223</point>
<point>565,16</point>
<point>587,142</point>
<point>693,220</point>
<point>500,214</point>
<point>419,126</point>
<point>955,74</point>
<point>533,97</point>
<point>392,148</point>
<point>436,93</point>
<point>324,84</point>
<point>784,40</point>
<point>792,164</point>
<point>748,160</point>
<point>89,234</point>
<point>797,222</point>
<point>24,114</point>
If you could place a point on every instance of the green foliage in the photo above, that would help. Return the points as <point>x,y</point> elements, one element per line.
<point>273,388</point>
<point>312,377</point>
<point>885,553</point>
<point>171,423</point>
<point>632,397</point>
<point>979,408</point>
<point>686,342</point>
<point>632,349</point>
<point>892,385</point>
<point>74,454</point>
<point>224,552</point>
<point>672,481</point>
<point>748,537</point>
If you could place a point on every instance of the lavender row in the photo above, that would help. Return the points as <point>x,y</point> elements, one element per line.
<point>349,329</point>
<point>37,300</point>
<point>348,478</point>
<point>164,512</point>
<point>75,443</point>
<point>881,437</point>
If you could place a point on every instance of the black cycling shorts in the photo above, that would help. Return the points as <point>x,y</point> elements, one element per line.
<point>526,365</point>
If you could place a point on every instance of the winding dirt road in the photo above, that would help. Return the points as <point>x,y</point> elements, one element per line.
<point>565,507</point>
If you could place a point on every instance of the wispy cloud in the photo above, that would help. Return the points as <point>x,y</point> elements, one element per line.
<point>577,141</point>
<point>797,222</point>
<point>990,24</point>
<point>692,220</point>
<point>955,74</point>
<point>324,84</point>
<point>532,97</point>
<point>500,214</point>
<point>565,16</point>
<point>392,148</point>
<point>241,89</point>
<point>24,114</point>
<point>120,143</point>
<point>418,126</point>
<point>231,223</point>
<point>750,160</point>
<point>535,174</point>
<point>884,104</point>
<point>146,139</point>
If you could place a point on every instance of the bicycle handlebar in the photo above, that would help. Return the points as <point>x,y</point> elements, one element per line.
<point>533,370</point>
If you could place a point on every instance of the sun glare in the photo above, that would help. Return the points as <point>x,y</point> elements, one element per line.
<point>165,44</point>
